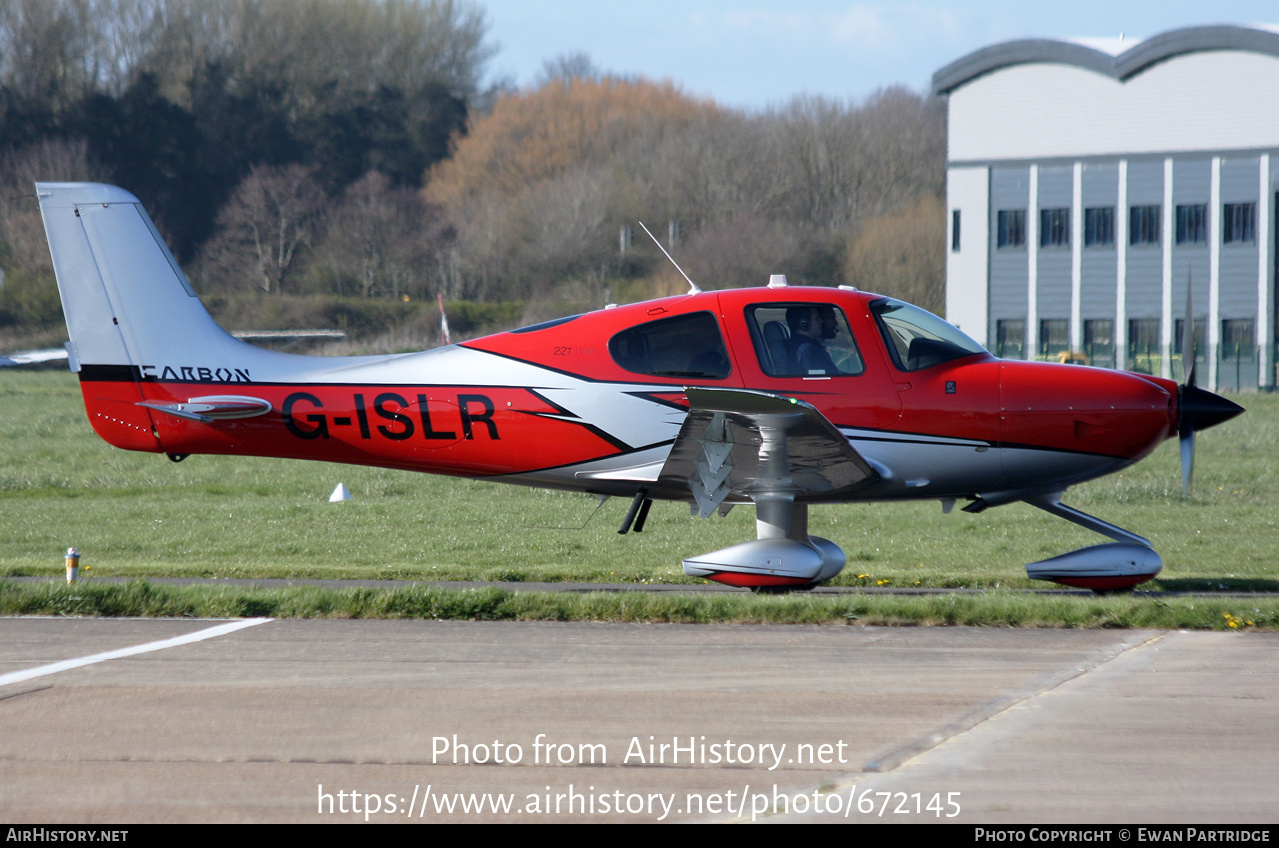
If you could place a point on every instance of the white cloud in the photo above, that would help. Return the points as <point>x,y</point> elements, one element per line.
<point>762,20</point>
<point>887,26</point>
<point>880,27</point>
<point>863,26</point>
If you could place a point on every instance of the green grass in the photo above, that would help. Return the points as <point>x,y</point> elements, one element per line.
<point>138,515</point>
<point>997,608</point>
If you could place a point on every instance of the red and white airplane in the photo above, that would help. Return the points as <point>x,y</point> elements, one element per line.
<point>779,397</point>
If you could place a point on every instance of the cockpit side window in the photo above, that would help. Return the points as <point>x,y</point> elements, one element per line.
<point>803,340</point>
<point>688,346</point>
<point>917,339</point>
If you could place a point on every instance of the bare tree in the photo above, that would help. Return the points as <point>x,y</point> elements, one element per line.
<point>902,254</point>
<point>46,51</point>
<point>273,216</point>
<point>539,186</point>
<point>380,237</point>
<point>838,162</point>
<point>708,172</point>
<point>319,48</point>
<point>567,67</point>
<point>567,218</point>
<point>22,241</point>
<point>54,52</point>
<point>743,253</point>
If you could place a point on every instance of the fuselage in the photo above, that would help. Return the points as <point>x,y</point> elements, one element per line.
<point>594,402</point>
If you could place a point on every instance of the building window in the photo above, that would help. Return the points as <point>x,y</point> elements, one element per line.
<point>1054,227</point>
<point>1099,226</point>
<point>1143,224</point>
<point>954,230</point>
<point>1179,333</point>
<point>1054,336</point>
<point>1238,340</point>
<point>1010,339</point>
<point>1143,332</point>
<point>1192,223</point>
<point>1143,345</point>
<point>1239,222</point>
<point>1010,230</point>
<point>1099,341</point>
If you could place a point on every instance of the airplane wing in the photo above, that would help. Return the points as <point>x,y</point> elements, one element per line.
<point>742,443</point>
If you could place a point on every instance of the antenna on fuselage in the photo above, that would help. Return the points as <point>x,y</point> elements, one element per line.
<point>693,289</point>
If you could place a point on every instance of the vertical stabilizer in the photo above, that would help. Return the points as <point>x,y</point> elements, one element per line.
<point>131,313</point>
<point>126,301</point>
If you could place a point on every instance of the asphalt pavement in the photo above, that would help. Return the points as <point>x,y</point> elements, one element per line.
<point>127,720</point>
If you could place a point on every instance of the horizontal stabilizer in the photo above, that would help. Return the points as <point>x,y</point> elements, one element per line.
<point>212,408</point>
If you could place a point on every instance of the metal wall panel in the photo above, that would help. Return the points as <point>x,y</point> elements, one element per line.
<point>1192,263</point>
<point>1054,282</point>
<point>1098,284</point>
<point>1100,183</point>
<point>1239,180</point>
<point>1238,288</point>
<point>1191,180</point>
<point>1145,282</point>
<point>1056,191</point>
<point>1145,182</point>
<point>1098,271</point>
<point>1191,186</point>
<point>1009,189</point>
<point>1145,261</point>
<point>1055,186</point>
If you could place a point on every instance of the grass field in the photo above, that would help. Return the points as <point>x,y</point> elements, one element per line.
<point>135,514</point>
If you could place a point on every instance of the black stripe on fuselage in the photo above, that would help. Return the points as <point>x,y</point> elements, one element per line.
<point>110,374</point>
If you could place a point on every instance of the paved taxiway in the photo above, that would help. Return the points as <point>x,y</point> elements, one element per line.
<point>1026,725</point>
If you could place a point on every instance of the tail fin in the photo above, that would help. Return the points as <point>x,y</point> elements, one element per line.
<point>131,313</point>
<point>126,301</point>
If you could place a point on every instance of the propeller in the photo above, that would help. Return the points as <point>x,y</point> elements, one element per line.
<point>1197,409</point>
<point>1185,425</point>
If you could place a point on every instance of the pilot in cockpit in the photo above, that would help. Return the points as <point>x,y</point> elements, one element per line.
<point>809,327</point>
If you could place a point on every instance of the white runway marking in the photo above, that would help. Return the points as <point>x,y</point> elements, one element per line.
<point>65,665</point>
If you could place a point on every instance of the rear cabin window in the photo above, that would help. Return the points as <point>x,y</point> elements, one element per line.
<point>803,340</point>
<point>688,346</point>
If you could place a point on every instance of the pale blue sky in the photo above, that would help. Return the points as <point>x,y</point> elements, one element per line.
<point>755,53</point>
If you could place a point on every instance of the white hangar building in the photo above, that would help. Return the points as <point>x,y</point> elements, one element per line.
<point>1089,181</point>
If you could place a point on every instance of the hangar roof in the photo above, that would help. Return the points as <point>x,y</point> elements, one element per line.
<point>1116,58</point>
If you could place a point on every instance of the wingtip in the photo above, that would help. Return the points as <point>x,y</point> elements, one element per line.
<point>70,194</point>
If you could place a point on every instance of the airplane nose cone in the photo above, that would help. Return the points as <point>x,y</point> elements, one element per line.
<point>1202,409</point>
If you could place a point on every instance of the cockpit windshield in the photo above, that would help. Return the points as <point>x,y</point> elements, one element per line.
<point>917,339</point>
